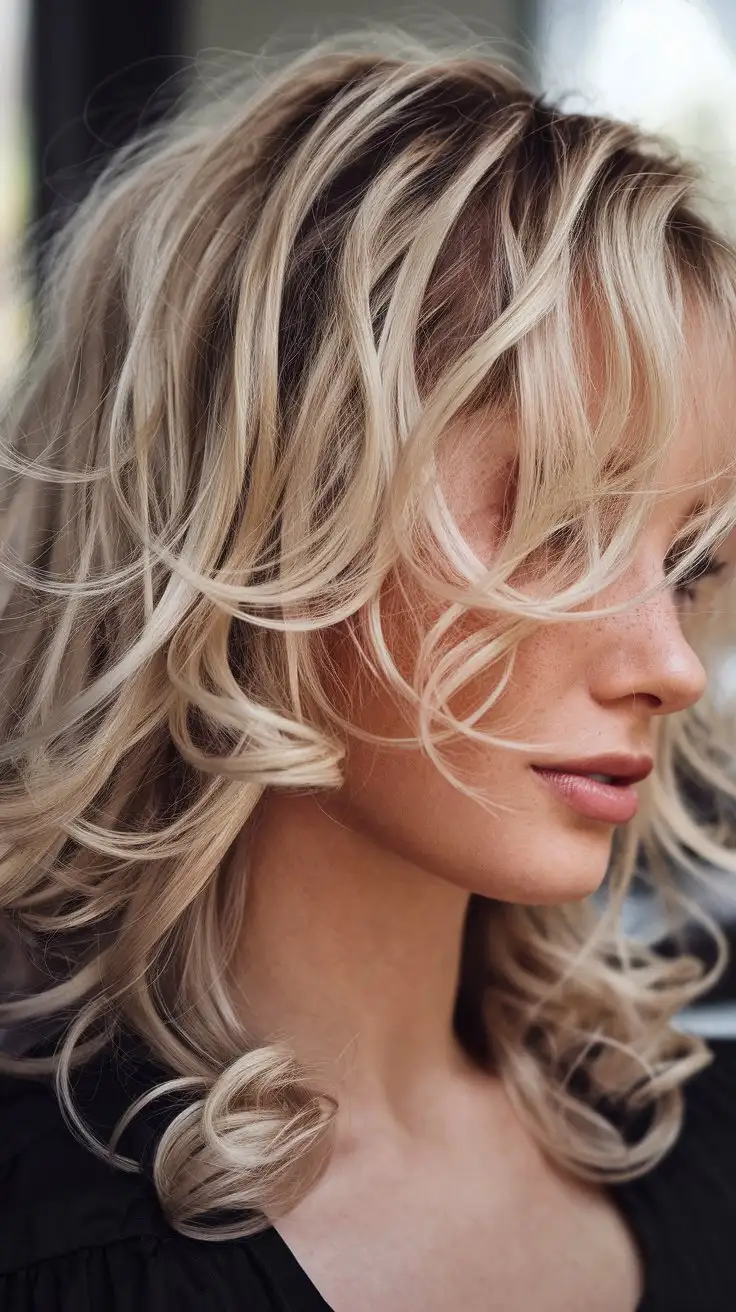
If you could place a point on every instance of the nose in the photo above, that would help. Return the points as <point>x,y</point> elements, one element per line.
<point>648,656</point>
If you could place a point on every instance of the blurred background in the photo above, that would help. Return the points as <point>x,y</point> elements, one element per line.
<point>78,78</point>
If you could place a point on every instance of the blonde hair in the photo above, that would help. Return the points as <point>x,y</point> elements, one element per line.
<point>255,333</point>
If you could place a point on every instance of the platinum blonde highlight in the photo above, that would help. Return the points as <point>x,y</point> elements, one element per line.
<point>257,331</point>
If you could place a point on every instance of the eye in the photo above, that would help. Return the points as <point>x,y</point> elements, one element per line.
<point>705,566</point>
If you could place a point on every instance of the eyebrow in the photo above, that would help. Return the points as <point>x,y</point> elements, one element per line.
<point>696,508</point>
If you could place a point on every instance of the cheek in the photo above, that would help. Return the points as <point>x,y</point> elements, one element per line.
<point>377,708</point>
<point>541,662</point>
<point>542,670</point>
<point>546,667</point>
<point>361,696</point>
<point>516,848</point>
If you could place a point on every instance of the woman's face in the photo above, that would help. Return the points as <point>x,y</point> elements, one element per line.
<point>596,687</point>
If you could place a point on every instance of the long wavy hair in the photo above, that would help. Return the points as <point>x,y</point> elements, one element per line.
<point>255,333</point>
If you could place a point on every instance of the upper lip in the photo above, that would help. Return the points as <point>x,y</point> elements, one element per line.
<point>631,768</point>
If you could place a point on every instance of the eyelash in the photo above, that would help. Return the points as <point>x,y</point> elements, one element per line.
<point>704,567</point>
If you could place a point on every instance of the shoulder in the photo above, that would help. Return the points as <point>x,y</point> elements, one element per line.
<point>80,1235</point>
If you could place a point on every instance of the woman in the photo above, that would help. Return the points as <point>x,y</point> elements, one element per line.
<point>369,500</point>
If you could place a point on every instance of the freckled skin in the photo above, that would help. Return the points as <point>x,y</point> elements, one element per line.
<point>353,929</point>
<point>381,870</point>
<point>584,689</point>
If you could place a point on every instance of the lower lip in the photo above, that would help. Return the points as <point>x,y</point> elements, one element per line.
<point>615,804</point>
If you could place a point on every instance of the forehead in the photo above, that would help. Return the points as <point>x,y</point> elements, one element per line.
<point>703,446</point>
<point>698,380</point>
<point>696,463</point>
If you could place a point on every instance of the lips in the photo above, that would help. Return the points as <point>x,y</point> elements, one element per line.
<point>618,769</point>
<point>611,799</point>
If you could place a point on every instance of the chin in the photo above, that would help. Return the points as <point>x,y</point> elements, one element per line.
<point>551,873</point>
<point>562,892</point>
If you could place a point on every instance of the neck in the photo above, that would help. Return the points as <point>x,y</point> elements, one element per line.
<point>351,954</point>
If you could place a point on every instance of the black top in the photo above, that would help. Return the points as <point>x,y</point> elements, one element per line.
<point>77,1235</point>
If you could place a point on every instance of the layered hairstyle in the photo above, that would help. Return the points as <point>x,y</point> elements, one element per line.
<point>253,338</point>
